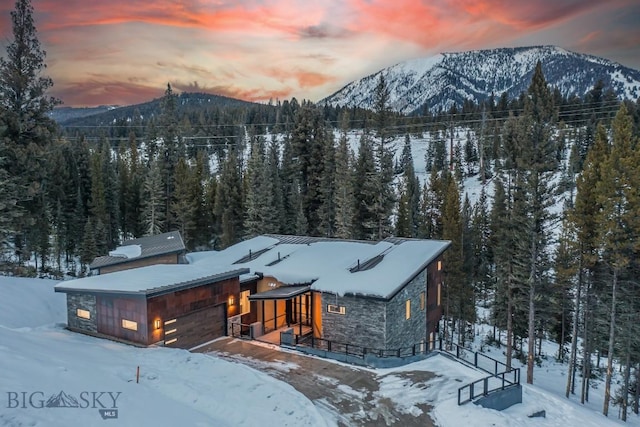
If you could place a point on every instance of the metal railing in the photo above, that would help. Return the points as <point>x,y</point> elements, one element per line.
<point>358,350</point>
<point>274,323</point>
<point>490,385</point>
<point>240,330</point>
<point>501,377</point>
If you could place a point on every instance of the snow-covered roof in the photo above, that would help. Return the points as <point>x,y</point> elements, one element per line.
<point>152,280</point>
<point>128,251</point>
<point>377,269</point>
<point>149,246</point>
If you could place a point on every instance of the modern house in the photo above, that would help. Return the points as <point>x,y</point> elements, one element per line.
<point>378,295</point>
<point>166,248</point>
<point>174,305</point>
<point>381,296</point>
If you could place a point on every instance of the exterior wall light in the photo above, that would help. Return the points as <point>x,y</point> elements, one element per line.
<point>156,323</point>
<point>232,300</point>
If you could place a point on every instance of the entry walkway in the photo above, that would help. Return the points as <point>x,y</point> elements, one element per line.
<point>351,395</point>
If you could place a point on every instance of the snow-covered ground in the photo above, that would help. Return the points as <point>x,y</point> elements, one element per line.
<point>40,359</point>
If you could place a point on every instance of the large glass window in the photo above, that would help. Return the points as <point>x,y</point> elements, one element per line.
<point>245,306</point>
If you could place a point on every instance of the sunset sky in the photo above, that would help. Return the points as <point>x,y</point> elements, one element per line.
<point>125,51</point>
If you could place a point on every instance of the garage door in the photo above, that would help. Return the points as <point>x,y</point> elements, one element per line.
<point>196,327</point>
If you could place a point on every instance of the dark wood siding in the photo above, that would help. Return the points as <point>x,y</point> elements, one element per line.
<point>180,304</point>
<point>135,263</point>
<point>434,311</point>
<point>197,327</point>
<point>110,312</point>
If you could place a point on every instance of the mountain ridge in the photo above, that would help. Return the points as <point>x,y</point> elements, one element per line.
<point>438,82</point>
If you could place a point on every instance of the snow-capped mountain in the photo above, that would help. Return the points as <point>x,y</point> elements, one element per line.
<point>442,80</point>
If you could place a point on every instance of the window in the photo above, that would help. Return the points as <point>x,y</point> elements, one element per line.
<point>171,341</point>
<point>245,307</point>
<point>337,309</point>
<point>439,265</point>
<point>439,292</point>
<point>168,322</point>
<point>170,331</point>
<point>407,309</point>
<point>422,301</point>
<point>83,314</point>
<point>130,324</point>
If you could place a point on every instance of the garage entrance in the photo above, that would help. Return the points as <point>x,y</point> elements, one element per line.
<point>196,327</point>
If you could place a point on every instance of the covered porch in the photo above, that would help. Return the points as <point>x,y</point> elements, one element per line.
<point>284,307</point>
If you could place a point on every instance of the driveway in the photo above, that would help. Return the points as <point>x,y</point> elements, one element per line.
<point>350,395</point>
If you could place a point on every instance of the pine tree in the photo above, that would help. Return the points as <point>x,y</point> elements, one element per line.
<point>186,202</point>
<point>24,104</point>
<point>403,221</point>
<point>619,196</point>
<point>25,128</point>
<point>481,229</point>
<point>89,248</point>
<point>584,218</point>
<point>344,183</point>
<point>536,161</point>
<point>327,209</point>
<point>290,189</point>
<point>255,197</point>
<point>171,151</point>
<point>431,206</point>
<point>366,193</point>
<point>383,178</point>
<point>458,295</point>
<point>153,196</point>
<point>229,199</point>
<point>10,211</point>
<point>406,158</point>
<point>274,210</point>
<point>308,140</point>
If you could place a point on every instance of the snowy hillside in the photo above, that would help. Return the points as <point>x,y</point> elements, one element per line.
<point>44,363</point>
<point>440,81</point>
<point>50,364</point>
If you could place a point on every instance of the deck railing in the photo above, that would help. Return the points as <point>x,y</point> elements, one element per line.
<point>501,377</point>
<point>240,330</point>
<point>358,350</point>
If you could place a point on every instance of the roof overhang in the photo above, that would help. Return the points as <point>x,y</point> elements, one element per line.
<point>155,292</point>
<point>281,293</point>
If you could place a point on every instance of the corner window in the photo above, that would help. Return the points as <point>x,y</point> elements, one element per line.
<point>422,301</point>
<point>407,309</point>
<point>130,324</point>
<point>337,309</point>
<point>83,314</point>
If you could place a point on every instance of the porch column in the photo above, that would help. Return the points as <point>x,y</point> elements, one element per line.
<point>299,298</point>
<point>275,315</point>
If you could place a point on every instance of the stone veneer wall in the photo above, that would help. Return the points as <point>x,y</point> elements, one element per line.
<point>362,324</point>
<point>85,302</point>
<point>400,331</point>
